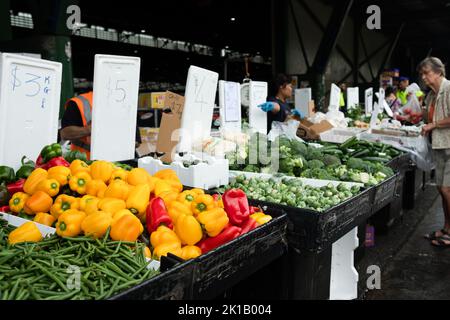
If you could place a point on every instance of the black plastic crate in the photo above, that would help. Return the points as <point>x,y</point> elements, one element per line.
<point>385,192</point>
<point>224,267</point>
<point>174,284</point>
<point>315,231</point>
<point>400,163</point>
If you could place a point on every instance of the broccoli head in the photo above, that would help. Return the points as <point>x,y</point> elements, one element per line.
<point>313,164</point>
<point>313,154</point>
<point>356,163</point>
<point>299,147</point>
<point>331,161</point>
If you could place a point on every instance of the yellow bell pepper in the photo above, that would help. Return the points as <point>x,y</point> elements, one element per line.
<point>121,213</point>
<point>164,235</point>
<point>62,204</point>
<point>178,208</point>
<point>166,174</point>
<point>152,182</point>
<point>17,202</point>
<point>111,205</point>
<point>96,188</point>
<point>49,186</point>
<point>31,184</point>
<point>147,252</point>
<point>119,174</point>
<point>198,191</point>
<point>127,228</point>
<point>89,204</point>
<point>169,197</point>
<point>39,202</point>
<point>79,166</point>
<point>69,223</point>
<point>190,252</point>
<point>102,170</point>
<point>137,176</point>
<point>261,218</point>
<point>188,230</point>
<point>117,189</point>
<point>202,202</point>
<point>176,185</point>
<point>213,221</point>
<point>138,200</point>
<point>164,249</point>
<point>162,186</point>
<point>45,219</point>
<point>28,232</point>
<point>96,224</point>
<point>187,197</point>
<point>61,174</point>
<point>79,182</point>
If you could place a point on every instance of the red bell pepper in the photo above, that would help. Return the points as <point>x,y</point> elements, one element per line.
<point>58,161</point>
<point>5,209</point>
<point>236,206</point>
<point>15,187</point>
<point>254,210</point>
<point>157,215</point>
<point>228,234</point>
<point>249,225</point>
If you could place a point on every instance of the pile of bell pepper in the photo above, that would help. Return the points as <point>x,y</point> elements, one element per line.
<point>11,183</point>
<point>78,199</point>
<point>192,223</point>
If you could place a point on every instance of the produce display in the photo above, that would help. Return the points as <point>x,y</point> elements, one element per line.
<point>353,161</point>
<point>107,220</point>
<point>293,193</point>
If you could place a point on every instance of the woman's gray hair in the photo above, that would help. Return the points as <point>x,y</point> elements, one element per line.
<point>434,63</point>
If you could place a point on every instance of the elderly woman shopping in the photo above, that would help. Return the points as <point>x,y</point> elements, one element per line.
<point>432,71</point>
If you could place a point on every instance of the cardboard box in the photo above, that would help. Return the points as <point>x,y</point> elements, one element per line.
<point>169,136</point>
<point>309,131</point>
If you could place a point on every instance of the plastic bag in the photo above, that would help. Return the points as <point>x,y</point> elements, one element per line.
<point>411,111</point>
<point>288,129</point>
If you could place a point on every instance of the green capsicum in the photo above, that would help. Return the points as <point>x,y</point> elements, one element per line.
<point>51,151</point>
<point>75,155</point>
<point>27,167</point>
<point>4,194</point>
<point>7,174</point>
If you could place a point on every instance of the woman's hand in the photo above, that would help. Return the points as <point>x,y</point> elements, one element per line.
<point>428,128</point>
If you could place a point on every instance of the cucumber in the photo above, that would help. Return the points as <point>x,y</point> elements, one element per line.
<point>350,142</point>
<point>360,153</point>
<point>376,159</point>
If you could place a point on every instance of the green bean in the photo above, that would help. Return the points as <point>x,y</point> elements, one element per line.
<point>116,269</point>
<point>62,296</point>
<point>52,276</point>
<point>14,290</point>
<point>114,286</point>
<point>124,265</point>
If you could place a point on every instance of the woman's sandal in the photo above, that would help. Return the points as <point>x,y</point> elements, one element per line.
<point>442,242</point>
<point>432,236</point>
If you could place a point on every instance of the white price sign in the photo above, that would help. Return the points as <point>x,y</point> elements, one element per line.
<point>29,106</point>
<point>114,110</point>
<point>257,117</point>
<point>368,101</point>
<point>335,97</point>
<point>230,105</point>
<point>302,99</point>
<point>201,89</point>
<point>352,98</point>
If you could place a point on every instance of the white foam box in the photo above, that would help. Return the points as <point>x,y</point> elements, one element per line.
<point>340,135</point>
<point>213,174</point>
<point>308,182</point>
<point>47,231</point>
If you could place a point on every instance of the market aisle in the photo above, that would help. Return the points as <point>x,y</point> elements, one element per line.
<point>415,269</point>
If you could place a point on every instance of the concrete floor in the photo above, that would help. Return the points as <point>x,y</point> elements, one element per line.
<point>411,268</point>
